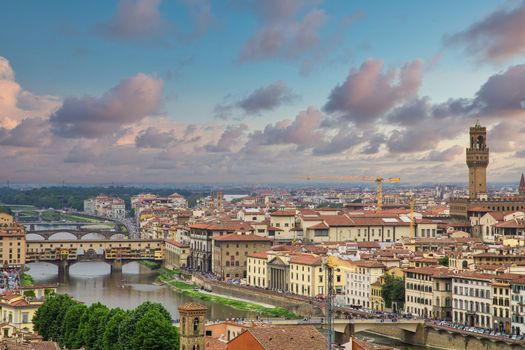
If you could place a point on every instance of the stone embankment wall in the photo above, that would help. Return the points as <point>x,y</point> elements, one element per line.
<point>299,307</point>
<point>443,340</point>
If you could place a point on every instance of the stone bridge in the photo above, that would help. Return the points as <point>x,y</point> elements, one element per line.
<point>117,252</point>
<point>74,235</point>
<point>345,328</point>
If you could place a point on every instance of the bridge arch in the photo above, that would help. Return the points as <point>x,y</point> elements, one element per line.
<point>34,237</point>
<point>118,236</point>
<point>62,236</point>
<point>93,236</point>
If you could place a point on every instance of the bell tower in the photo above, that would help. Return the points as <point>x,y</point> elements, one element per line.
<point>192,323</point>
<point>521,187</point>
<point>477,161</point>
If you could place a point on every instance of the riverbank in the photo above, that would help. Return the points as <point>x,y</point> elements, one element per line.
<point>170,278</point>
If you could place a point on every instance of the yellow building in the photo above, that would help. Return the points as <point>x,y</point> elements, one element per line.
<point>176,254</point>
<point>13,246</point>
<point>306,275</point>
<point>18,308</point>
<point>256,270</point>
<point>6,219</point>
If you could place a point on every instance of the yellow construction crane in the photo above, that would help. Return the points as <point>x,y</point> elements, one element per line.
<point>412,233</point>
<point>377,179</point>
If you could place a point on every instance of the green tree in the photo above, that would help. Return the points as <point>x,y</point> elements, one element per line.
<point>128,326</point>
<point>7,210</point>
<point>154,332</point>
<point>111,333</point>
<point>49,317</point>
<point>72,338</point>
<point>443,261</point>
<point>393,290</point>
<point>92,326</point>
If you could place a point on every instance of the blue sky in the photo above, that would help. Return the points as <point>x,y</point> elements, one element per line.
<point>200,54</point>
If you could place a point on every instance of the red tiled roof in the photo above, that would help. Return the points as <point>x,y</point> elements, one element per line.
<point>258,255</point>
<point>337,220</point>
<point>283,213</point>
<point>369,264</point>
<point>306,259</point>
<point>233,237</point>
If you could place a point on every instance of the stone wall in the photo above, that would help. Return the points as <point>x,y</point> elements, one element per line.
<point>443,340</point>
<point>260,295</point>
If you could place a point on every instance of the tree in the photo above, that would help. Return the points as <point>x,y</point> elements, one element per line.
<point>443,261</point>
<point>72,339</point>
<point>92,326</point>
<point>49,317</point>
<point>7,210</point>
<point>155,332</point>
<point>393,290</point>
<point>111,333</point>
<point>129,326</point>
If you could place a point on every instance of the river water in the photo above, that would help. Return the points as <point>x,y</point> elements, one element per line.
<point>92,282</point>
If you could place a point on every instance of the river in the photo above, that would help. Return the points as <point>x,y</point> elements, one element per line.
<point>92,282</point>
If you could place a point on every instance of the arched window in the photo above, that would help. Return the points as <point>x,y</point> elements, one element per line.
<point>196,326</point>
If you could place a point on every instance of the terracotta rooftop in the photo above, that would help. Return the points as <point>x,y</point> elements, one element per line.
<point>191,306</point>
<point>283,213</point>
<point>289,338</point>
<point>234,237</point>
<point>259,255</point>
<point>306,259</point>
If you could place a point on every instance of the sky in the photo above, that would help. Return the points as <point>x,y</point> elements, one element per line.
<point>244,91</point>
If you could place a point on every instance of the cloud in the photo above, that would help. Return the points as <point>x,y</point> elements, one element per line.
<point>344,139</point>
<point>17,103</point>
<point>154,138</point>
<point>293,30</point>
<point>263,99</point>
<point>446,155</point>
<point>302,131</point>
<point>30,132</point>
<point>6,71</point>
<point>229,139</point>
<point>130,101</point>
<point>503,93</point>
<point>497,37</point>
<point>140,19</point>
<point>369,92</point>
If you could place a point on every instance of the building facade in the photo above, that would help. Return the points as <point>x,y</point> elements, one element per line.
<point>105,206</point>
<point>13,243</point>
<point>230,253</point>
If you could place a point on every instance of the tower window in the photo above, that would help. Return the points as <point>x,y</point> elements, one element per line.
<point>196,326</point>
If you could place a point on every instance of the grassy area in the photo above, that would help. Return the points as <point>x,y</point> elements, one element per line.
<point>190,290</point>
<point>53,215</point>
<point>26,280</point>
<point>154,265</point>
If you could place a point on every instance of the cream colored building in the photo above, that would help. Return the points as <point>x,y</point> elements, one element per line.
<point>471,299</point>
<point>257,270</point>
<point>176,254</point>
<point>284,220</point>
<point>359,281</point>
<point>428,292</point>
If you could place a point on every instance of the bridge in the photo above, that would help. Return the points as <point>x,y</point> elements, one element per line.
<point>74,235</point>
<point>115,252</point>
<point>345,328</point>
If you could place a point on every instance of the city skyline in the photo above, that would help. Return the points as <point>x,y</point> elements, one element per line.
<point>202,91</point>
